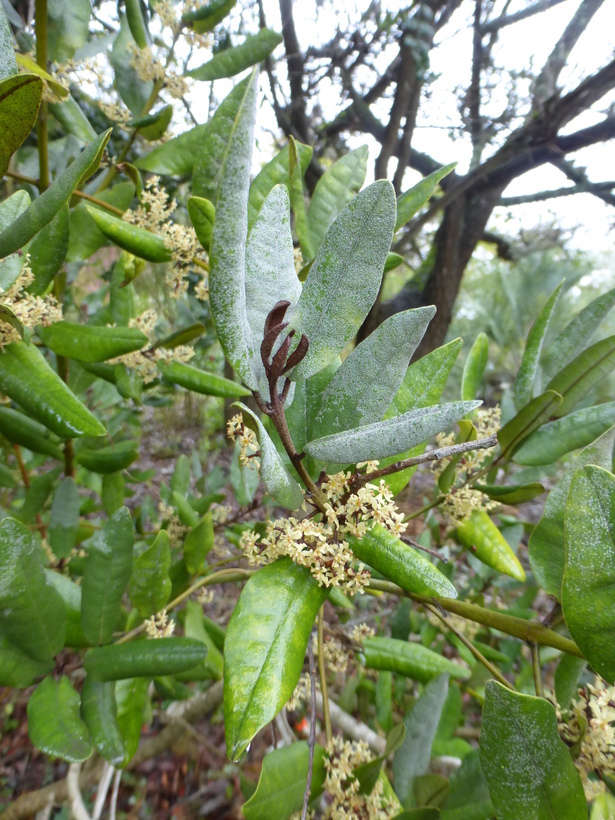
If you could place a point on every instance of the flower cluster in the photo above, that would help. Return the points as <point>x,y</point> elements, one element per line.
<point>204,596</point>
<point>149,68</point>
<point>591,730</point>
<point>343,757</point>
<point>321,546</point>
<point>301,694</point>
<point>462,499</point>
<point>170,15</point>
<point>174,529</point>
<point>238,430</point>
<point>154,214</point>
<point>335,655</point>
<point>360,632</point>
<point>29,309</point>
<point>159,625</point>
<point>145,361</point>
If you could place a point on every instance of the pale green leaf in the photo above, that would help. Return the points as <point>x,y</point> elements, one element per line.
<point>10,208</point>
<point>234,60</point>
<point>474,367</point>
<point>8,64</point>
<point>276,172</point>
<point>134,92</point>
<point>588,369</point>
<point>150,585</point>
<point>411,201</point>
<point>526,377</point>
<point>20,97</point>
<point>176,156</point>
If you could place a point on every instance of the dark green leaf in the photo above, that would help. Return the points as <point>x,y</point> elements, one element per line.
<point>85,237</point>
<point>546,544</point>
<point>400,563</point>
<point>36,495</point>
<point>54,724</point>
<point>199,381</point>
<point>133,91</point>
<point>131,696</point>
<point>511,493</point>
<point>99,713</point>
<point>474,367</point>
<point>150,585</point>
<point>144,658</point>
<point>20,97</point>
<point>566,679</point>
<point>72,119</point>
<point>527,765</point>
<point>524,383</point>
<point>206,17</point>
<point>70,593</point>
<point>138,26</point>
<point>138,241</point>
<point>32,613</point>
<point>47,205</point>
<point>20,429</point>
<point>113,491</point>
<point>107,572</point>
<point>410,202</point>
<point>91,343</point>
<point>335,189</point>
<point>368,773</point>
<point>17,668</point>
<point>588,587</point>
<point>195,628</point>
<point>233,61</point>
<point>198,544</point>
<point>175,156</point>
<point>48,250</point>
<point>587,370</point>
<point>528,419</point>
<point>202,215</point>
<point>64,519</point>
<point>110,459</point>
<point>468,798</point>
<point>67,28</point>
<point>265,647</point>
<point>410,659</point>
<point>282,782</point>
<point>10,209</point>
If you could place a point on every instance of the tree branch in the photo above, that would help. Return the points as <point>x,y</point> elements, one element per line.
<point>599,189</point>
<point>509,19</point>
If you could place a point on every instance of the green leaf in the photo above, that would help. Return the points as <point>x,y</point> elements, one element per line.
<point>91,343</point>
<point>183,336</point>
<point>410,202</point>
<point>70,593</point>
<point>206,17</point>
<point>176,156</point>
<point>227,296</point>
<point>72,119</point>
<point>281,784</point>
<point>389,437</point>
<point>20,97</point>
<point>526,377</point>
<point>559,437</point>
<point>588,586</point>
<point>8,64</point>
<point>29,65</point>
<point>445,743</point>
<point>144,658</point>
<point>280,485</point>
<point>468,798</point>
<point>368,773</point>
<point>32,613</point>
<point>345,277</point>
<point>150,585</point>
<point>54,724</point>
<point>17,668</point>
<point>566,679</point>
<point>199,381</point>
<point>47,205</point>
<point>528,767</point>
<point>136,23</point>
<point>99,713</point>
<point>108,569</point>
<point>410,659</point>
<point>67,28</point>
<point>547,544</point>
<point>400,563</point>
<point>479,535</point>
<point>48,250</point>
<point>64,519</point>
<point>199,542</point>
<point>10,209</point>
<point>108,460</point>
<point>202,214</point>
<point>528,419</point>
<point>270,271</point>
<point>182,476</point>
<point>394,260</point>
<point>583,373</point>
<point>133,91</point>
<point>265,646</point>
<point>131,238</point>
<point>233,61</point>
<point>511,493</point>
<point>576,335</point>
<point>474,367</point>
<point>421,721</point>
<point>276,172</point>
<point>335,189</point>
<point>368,380</point>
<point>20,429</point>
<point>384,697</point>
<point>195,628</point>
<point>131,696</point>
<point>85,237</point>
<point>36,495</point>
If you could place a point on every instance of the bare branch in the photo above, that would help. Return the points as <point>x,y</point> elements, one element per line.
<point>546,82</point>
<point>600,189</point>
<point>509,19</point>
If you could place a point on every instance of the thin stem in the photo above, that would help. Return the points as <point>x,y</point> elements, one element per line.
<point>407,540</point>
<point>528,631</point>
<point>323,675</point>
<point>477,654</point>
<point>537,670</point>
<point>432,455</point>
<point>312,737</point>
<point>81,194</point>
<point>40,29</point>
<point>424,509</point>
<point>69,452</point>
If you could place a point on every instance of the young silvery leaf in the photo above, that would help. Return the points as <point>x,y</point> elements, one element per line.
<point>345,277</point>
<point>366,383</point>
<point>276,172</point>
<point>387,438</point>
<point>227,257</point>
